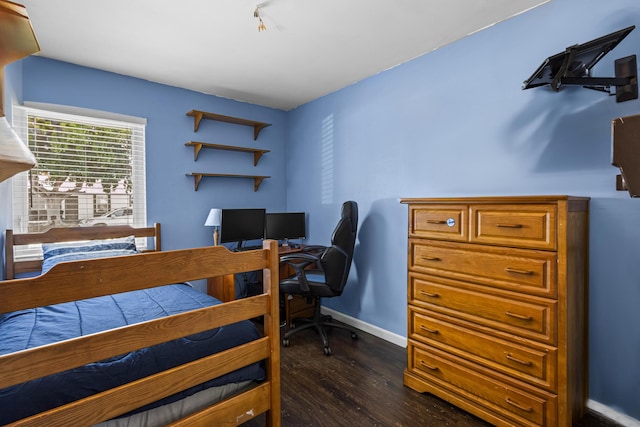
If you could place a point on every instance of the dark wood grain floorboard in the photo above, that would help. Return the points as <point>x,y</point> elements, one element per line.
<point>361,385</point>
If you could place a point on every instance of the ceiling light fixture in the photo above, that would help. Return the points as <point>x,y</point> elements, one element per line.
<point>256,14</point>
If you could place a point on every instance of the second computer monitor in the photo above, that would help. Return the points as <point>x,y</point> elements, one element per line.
<point>285,226</point>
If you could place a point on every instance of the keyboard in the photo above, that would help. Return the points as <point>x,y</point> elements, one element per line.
<point>249,248</point>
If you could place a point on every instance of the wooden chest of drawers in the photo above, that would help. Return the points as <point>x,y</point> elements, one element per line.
<point>497,306</point>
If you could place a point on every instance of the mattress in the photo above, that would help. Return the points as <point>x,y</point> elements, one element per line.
<point>26,329</point>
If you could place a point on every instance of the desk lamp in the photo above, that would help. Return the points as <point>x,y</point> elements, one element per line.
<point>214,219</point>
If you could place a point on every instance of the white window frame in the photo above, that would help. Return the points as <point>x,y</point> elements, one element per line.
<point>60,112</point>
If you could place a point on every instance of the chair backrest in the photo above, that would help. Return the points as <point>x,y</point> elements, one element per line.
<point>336,260</point>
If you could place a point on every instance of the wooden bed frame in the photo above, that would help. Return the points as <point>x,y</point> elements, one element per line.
<point>70,281</point>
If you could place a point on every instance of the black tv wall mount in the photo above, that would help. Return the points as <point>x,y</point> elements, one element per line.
<point>574,65</point>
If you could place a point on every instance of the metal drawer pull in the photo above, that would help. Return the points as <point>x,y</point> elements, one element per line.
<point>517,405</point>
<point>430,258</point>
<point>426,365</point>
<point>515,359</point>
<point>518,271</point>
<point>427,294</point>
<point>436,221</point>
<point>431,331</point>
<point>509,225</point>
<point>518,316</point>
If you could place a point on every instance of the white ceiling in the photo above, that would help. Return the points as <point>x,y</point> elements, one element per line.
<point>310,48</point>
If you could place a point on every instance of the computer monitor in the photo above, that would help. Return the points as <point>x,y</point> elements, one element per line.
<point>285,226</point>
<point>239,225</point>
<point>574,66</point>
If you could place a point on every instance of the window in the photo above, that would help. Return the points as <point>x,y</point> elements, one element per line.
<point>90,164</point>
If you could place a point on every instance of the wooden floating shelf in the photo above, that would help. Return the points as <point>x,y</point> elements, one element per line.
<point>197,177</point>
<point>197,146</point>
<point>199,115</point>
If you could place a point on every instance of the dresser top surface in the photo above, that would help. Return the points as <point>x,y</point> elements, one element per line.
<point>493,199</point>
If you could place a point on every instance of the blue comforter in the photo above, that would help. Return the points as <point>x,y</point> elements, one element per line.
<point>34,327</point>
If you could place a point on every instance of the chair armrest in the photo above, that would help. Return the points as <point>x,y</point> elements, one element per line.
<point>299,262</point>
<point>299,257</point>
<point>314,249</point>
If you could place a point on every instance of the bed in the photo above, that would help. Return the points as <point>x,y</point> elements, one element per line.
<point>132,343</point>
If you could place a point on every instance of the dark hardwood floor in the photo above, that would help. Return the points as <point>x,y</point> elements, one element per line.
<point>361,385</point>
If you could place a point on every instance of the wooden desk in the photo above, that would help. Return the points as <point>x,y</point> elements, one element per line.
<point>224,288</point>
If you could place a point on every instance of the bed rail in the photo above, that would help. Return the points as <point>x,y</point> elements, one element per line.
<point>15,267</point>
<point>84,279</point>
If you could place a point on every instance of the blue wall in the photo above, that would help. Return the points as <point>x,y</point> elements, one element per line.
<point>451,123</point>
<point>455,122</point>
<point>171,198</point>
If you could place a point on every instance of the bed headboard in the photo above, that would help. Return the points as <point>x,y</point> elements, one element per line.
<point>69,234</point>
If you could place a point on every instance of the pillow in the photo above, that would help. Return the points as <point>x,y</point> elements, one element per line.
<point>53,253</point>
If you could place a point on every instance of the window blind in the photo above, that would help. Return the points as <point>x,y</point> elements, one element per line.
<point>87,168</point>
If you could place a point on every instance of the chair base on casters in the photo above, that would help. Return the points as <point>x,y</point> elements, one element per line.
<point>319,322</point>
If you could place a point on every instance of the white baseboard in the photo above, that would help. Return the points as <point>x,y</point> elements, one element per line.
<point>612,414</point>
<point>401,341</point>
<point>366,327</point>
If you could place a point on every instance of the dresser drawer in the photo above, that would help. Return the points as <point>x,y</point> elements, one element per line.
<point>522,406</point>
<point>519,270</point>
<point>448,222</point>
<point>528,226</point>
<point>533,318</point>
<point>535,364</point>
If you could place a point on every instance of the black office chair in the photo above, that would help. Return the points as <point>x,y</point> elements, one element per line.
<point>322,272</point>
